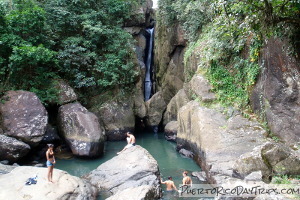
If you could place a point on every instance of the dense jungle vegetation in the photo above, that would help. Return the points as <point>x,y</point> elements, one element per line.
<point>81,41</point>
<point>230,35</point>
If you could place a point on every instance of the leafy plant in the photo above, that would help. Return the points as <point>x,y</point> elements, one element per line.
<point>281,179</point>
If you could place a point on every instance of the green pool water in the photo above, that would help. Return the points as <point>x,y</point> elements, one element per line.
<point>170,162</point>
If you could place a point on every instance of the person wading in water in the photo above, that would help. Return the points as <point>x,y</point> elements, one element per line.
<point>186,179</point>
<point>169,183</point>
<point>50,162</point>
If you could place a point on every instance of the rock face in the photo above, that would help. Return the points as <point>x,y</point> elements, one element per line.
<point>117,118</point>
<point>144,192</point>
<point>168,59</point>
<point>267,158</point>
<point>174,78</point>
<point>216,141</point>
<point>141,16</point>
<point>132,168</point>
<point>51,135</point>
<point>171,128</point>
<point>23,117</point>
<point>81,130</point>
<point>66,93</point>
<point>64,187</point>
<point>12,149</point>
<point>4,169</point>
<point>179,100</point>
<point>155,108</point>
<point>276,93</point>
<point>200,87</point>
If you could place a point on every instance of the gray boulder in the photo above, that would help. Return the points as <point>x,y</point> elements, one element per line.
<point>200,87</point>
<point>171,128</point>
<point>64,186</point>
<point>251,162</point>
<point>200,175</point>
<point>23,116</point>
<point>66,93</point>
<point>12,149</point>
<point>186,153</point>
<point>4,169</point>
<point>144,192</point>
<point>267,158</point>
<point>155,108</point>
<point>132,168</point>
<point>117,118</point>
<point>216,141</point>
<point>171,131</point>
<point>81,130</point>
<point>254,176</point>
<point>179,100</point>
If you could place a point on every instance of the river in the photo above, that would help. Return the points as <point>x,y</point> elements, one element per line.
<point>170,162</point>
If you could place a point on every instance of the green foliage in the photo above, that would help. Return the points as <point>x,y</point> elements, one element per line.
<point>232,88</point>
<point>80,41</point>
<point>33,68</point>
<point>27,21</point>
<point>281,179</point>
<point>230,35</point>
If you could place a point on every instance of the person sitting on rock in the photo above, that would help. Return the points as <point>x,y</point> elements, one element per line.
<point>186,179</point>
<point>130,142</point>
<point>169,183</point>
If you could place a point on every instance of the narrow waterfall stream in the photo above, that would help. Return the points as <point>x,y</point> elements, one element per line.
<point>170,162</point>
<point>148,80</point>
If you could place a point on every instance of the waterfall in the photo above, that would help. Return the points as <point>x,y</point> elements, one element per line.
<point>148,82</point>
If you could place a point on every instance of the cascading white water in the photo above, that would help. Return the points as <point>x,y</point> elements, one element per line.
<point>148,82</point>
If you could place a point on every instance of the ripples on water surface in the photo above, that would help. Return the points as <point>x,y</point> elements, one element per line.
<point>170,162</point>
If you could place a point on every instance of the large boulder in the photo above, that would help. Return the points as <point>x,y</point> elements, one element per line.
<point>179,100</point>
<point>23,116</point>
<point>200,87</point>
<point>171,130</point>
<point>12,149</point>
<point>144,192</point>
<point>66,93</point>
<point>216,140</point>
<point>276,94</point>
<point>269,158</point>
<point>117,117</point>
<point>64,187</point>
<point>155,108</point>
<point>4,169</point>
<point>132,168</point>
<point>81,130</point>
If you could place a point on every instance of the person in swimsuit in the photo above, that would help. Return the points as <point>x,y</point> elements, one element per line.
<point>130,142</point>
<point>169,183</point>
<point>186,179</point>
<point>50,161</point>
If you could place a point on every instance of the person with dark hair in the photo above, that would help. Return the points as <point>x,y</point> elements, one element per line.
<point>169,183</point>
<point>130,142</point>
<point>50,161</point>
<point>186,179</point>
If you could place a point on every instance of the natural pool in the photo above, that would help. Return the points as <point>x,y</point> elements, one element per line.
<point>170,162</point>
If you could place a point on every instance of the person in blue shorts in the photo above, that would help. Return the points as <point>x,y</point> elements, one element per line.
<point>50,161</point>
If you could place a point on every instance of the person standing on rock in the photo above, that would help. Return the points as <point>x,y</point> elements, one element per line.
<point>50,161</point>
<point>130,140</point>
<point>169,183</point>
<point>186,179</point>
